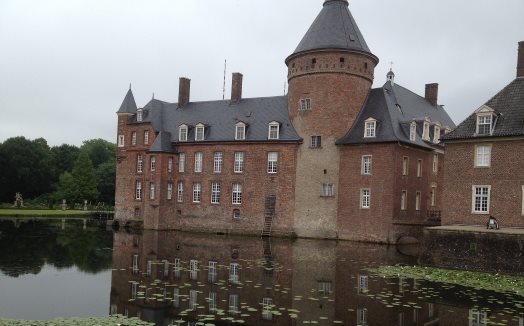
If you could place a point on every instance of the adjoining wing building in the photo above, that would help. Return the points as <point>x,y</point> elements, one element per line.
<point>333,158</point>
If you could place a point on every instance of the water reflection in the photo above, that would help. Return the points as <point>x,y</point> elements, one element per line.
<point>196,279</point>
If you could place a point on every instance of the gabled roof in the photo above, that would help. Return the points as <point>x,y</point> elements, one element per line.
<point>395,107</point>
<point>334,28</point>
<point>129,104</point>
<point>162,143</point>
<point>508,106</point>
<point>220,118</point>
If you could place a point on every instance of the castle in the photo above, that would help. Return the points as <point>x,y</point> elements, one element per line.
<point>333,158</point>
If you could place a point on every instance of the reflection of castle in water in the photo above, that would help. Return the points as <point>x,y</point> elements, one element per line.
<point>182,278</point>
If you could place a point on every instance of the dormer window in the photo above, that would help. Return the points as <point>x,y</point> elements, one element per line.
<point>274,130</point>
<point>484,123</point>
<point>182,133</point>
<point>436,133</point>
<point>240,131</point>
<point>139,115</point>
<point>413,131</point>
<point>305,104</point>
<point>447,130</point>
<point>370,129</point>
<point>425,130</point>
<point>199,132</point>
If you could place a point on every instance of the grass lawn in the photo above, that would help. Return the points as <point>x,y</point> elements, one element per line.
<point>40,212</point>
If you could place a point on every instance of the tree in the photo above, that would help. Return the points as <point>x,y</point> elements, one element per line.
<point>64,156</point>
<point>99,151</point>
<point>106,175</point>
<point>80,184</point>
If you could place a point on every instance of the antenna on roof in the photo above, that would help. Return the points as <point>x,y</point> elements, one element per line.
<point>153,96</point>
<point>129,86</point>
<point>224,86</point>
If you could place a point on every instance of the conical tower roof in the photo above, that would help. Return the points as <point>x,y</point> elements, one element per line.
<point>129,104</point>
<point>334,28</point>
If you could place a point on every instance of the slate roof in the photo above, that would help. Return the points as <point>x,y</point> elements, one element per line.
<point>395,108</point>
<point>509,110</point>
<point>220,119</point>
<point>128,104</point>
<point>334,28</point>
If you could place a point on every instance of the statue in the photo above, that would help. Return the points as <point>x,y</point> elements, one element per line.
<point>19,201</point>
<point>64,205</point>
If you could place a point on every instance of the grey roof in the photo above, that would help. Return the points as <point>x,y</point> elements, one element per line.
<point>220,119</point>
<point>129,104</point>
<point>334,28</point>
<point>509,110</point>
<point>163,143</point>
<point>395,108</point>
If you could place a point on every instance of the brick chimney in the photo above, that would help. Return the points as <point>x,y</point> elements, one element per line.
<point>184,87</point>
<point>432,93</point>
<point>236,88</point>
<point>520,60</point>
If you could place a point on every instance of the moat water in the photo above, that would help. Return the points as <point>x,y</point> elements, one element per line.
<point>67,268</point>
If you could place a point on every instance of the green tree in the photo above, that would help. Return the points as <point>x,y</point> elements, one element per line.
<point>80,184</point>
<point>99,151</point>
<point>105,175</point>
<point>64,156</point>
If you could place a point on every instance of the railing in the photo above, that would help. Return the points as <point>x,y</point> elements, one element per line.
<point>429,217</point>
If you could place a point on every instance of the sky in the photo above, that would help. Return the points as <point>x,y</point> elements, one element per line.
<point>66,65</point>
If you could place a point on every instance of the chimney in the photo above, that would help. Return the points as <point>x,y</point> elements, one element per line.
<point>520,60</point>
<point>236,88</point>
<point>432,93</point>
<point>184,86</point>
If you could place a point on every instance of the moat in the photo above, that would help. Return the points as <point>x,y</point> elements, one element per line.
<point>66,268</point>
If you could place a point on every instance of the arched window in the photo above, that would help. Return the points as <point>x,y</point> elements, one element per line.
<point>199,132</point>
<point>240,131</point>
<point>182,132</point>
<point>274,130</point>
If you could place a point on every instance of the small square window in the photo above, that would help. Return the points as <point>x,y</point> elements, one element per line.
<point>484,124</point>
<point>305,104</point>
<point>316,141</point>
<point>482,156</point>
<point>327,190</point>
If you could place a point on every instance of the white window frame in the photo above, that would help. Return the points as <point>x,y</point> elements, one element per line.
<point>181,162</point>
<point>425,130</point>
<point>436,133</point>
<point>236,194</point>
<point>135,263</point>
<point>197,192</point>
<point>169,190</point>
<point>200,130</point>
<point>370,128</point>
<point>433,196</point>
<point>474,197</point>
<point>315,142</point>
<point>180,192</point>
<point>240,131</point>
<point>483,161</point>
<point>238,166</point>
<point>193,269</point>
<point>218,159</point>
<point>146,137</point>
<point>236,214</point>
<point>233,304</point>
<point>418,200</point>
<point>435,163</point>
<point>149,267</point>
<point>177,268</point>
<point>484,119</point>
<point>234,272</point>
<point>366,165</point>
<point>170,165</point>
<point>267,308</point>
<point>365,198</point>
<point>139,115</point>
<point>327,190</point>
<point>212,304</point>
<point>133,138</point>
<point>304,104</point>
<point>413,131</point>
<point>405,165</point>
<point>272,162</point>
<point>152,163</point>
<point>152,190</point>
<point>362,317</point>
<point>363,284</point>
<point>478,317</point>
<point>215,193</point>
<point>121,142</point>
<point>183,131</point>
<point>139,163</point>
<point>176,297</point>
<point>138,190</point>
<point>404,200</point>
<point>212,271</point>
<point>419,168</point>
<point>198,162</point>
<point>165,262</point>
<point>134,290</point>
<point>193,299</point>
<point>273,130</point>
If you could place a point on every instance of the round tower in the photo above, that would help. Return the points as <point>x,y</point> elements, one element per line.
<point>329,74</point>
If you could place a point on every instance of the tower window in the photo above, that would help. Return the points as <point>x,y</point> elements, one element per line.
<point>314,61</point>
<point>342,60</point>
<point>305,104</point>
<point>365,65</point>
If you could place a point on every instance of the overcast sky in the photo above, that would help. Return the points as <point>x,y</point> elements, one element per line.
<point>65,65</point>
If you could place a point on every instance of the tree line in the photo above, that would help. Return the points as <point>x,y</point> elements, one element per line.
<point>49,174</point>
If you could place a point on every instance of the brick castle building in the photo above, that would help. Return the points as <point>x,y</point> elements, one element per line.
<point>484,160</point>
<point>333,158</point>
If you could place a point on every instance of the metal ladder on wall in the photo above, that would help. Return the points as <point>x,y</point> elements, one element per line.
<point>269,205</point>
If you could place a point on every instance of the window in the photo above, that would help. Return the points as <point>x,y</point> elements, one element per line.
<point>417,200</point>
<point>212,271</point>
<point>139,115</point>
<point>366,165</point>
<point>362,317</point>
<point>425,130</point>
<point>196,192</point>
<point>240,131</point>
<point>324,287</point>
<point>139,163</point>
<point>267,308</point>
<point>484,123</point>
<point>233,303</point>
<point>199,132</point>
<point>146,137</point>
<point>180,192</point>
<point>193,299</point>
<point>478,318</point>
<point>362,284</point>
<point>239,162</point>
<point>212,305</point>
<point>134,288</point>
<point>170,165</point>
<point>153,163</point>
<point>169,190</point>
<point>436,134</point>
<point>327,190</point>
<point>138,190</point>
<point>121,141</point>
<point>482,156</point>
<point>272,162</point>
<point>413,131</point>
<point>151,190</point>
<point>316,142</point>
<point>480,202</point>
<point>137,212</point>
<point>404,200</point>
<point>193,269</point>
<point>435,163</point>
<point>181,162</point>
<point>419,168</point>
<point>237,193</point>
<point>365,198</point>
<point>198,162</point>
<point>304,104</point>
<point>215,193</point>
<point>234,272</point>
<point>176,268</point>
<point>149,266</point>
<point>176,297</point>
<point>274,129</point>
<point>166,267</point>
<point>182,133</point>
<point>370,128</point>
<point>433,196</point>
<point>133,138</point>
<point>236,214</point>
<point>405,165</point>
<point>135,263</point>
<point>217,162</point>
